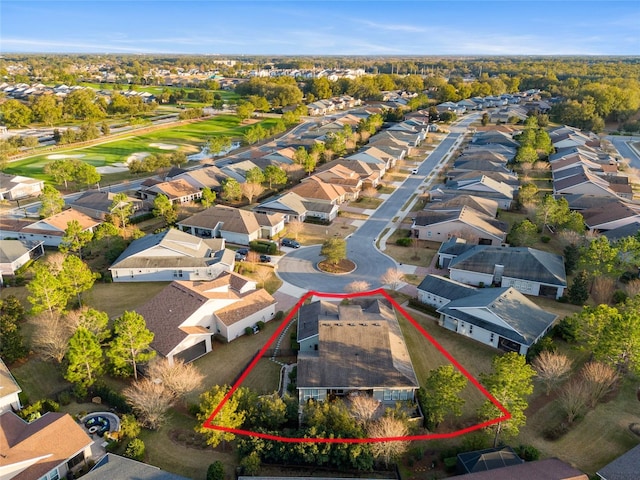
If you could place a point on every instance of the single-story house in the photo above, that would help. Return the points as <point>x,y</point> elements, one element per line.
<point>343,177</point>
<point>115,467</point>
<point>501,192</point>
<point>99,204</point>
<point>547,469</point>
<point>486,206</point>
<point>50,230</point>
<point>294,207</point>
<point>177,191</point>
<point>46,448</point>
<point>16,253</point>
<point>9,390</point>
<point>610,216</point>
<point>437,291</point>
<point>500,317</point>
<point>172,255</point>
<point>530,271</point>
<point>185,315</point>
<point>355,349</point>
<point>440,226</point>
<point>315,190</point>
<point>369,173</point>
<point>15,187</point>
<point>233,224</point>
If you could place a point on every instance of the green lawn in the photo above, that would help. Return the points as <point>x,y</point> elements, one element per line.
<point>189,138</point>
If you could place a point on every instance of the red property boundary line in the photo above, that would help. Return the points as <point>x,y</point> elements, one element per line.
<point>430,436</point>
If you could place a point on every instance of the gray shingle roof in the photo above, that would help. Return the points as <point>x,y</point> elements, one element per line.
<point>625,467</point>
<point>446,288</point>
<point>519,262</point>
<point>115,467</point>
<point>364,348</point>
<point>514,316</point>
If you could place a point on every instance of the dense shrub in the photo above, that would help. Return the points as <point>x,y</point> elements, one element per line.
<point>423,307</point>
<point>619,296</point>
<point>542,345</point>
<point>262,246</point>
<point>39,408</point>
<point>555,432</point>
<point>248,331</point>
<point>528,453</point>
<point>566,329</point>
<point>135,449</point>
<point>110,397</point>
<point>279,315</point>
<point>215,471</point>
<point>260,325</point>
<point>403,242</point>
<point>545,239</point>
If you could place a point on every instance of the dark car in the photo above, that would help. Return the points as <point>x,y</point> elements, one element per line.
<point>243,251</point>
<point>265,258</point>
<point>287,242</point>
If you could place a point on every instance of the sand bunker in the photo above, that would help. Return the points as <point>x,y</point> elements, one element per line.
<point>113,168</point>
<point>137,156</point>
<point>164,146</point>
<point>60,156</point>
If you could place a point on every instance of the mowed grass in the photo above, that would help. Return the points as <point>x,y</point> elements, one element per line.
<point>473,356</point>
<point>189,138</point>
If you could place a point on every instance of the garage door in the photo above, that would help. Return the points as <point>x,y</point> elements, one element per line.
<point>191,353</point>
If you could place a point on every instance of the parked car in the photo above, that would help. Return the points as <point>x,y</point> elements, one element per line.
<point>288,242</point>
<point>414,171</point>
<point>265,258</point>
<point>240,257</point>
<point>243,251</point>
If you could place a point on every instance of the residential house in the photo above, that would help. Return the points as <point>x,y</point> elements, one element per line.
<point>508,114</point>
<point>461,177</point>
<point>482,184</point>
<point>343,177</point>
<point>451,249</point>
<point>46,448</point>
<point>485,206</point>
<point>440,226</point>
<point>185,315</point>
<point>547,469</point>
<point>611,215</point>
<point>358,350</point>
<point>530,271</point>
<point>437,291</point>
<point>210,177</point>
<point>565,137</point>
<point>494,136</point>
<point>369,173</point>
<point>283,155</point>
<point>172,255</point>
<point>289,204</point>
<point>625,467</point>
<point>99,204</point>
<point>15,187</point>
<point>115,467</point>
<point>626,231</point>
<point>501,317</point>
<point>50,230</point>
<point>584,182</point>
<point>233,224</point>
<point>315,190</point>
<point>376,156</point>
<point>9,391</point>
<point>16,253</point>
<point>177,191</point>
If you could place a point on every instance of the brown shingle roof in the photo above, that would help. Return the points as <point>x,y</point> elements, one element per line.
<point>250,303</point>
<point>48,441</point>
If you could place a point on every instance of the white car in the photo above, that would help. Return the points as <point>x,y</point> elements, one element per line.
<point>414,171</point>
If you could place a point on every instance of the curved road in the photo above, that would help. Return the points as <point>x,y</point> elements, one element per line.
<point>622,145</point>
<point>299,266</point>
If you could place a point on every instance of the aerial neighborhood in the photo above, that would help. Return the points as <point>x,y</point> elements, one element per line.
<point>280,267</point>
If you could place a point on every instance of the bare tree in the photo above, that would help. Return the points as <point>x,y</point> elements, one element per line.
<point>357,286</point>
<point>54,261</point>
<point>369,192</point>
<point>540,166</point>
<point>415,246</point>
<point>251,190</point>
<point>600,379</point>
<point>363,407</point>
<point>150,402</point>
<point>392,277</point>
<point>295,228</point>
<point>573,399</point>
<point>633,287</point>
<point>178,378</point>
<point>552,368</point>
<point>570,237</point>
<point>51,336</point>
<point>388,427</point>
<point>253,257</point>
<point>263,274</point>
<point>602,289</point>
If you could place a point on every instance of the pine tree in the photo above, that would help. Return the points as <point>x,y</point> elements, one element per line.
<point>578,291</point>
<point>131,344</point>
<point>85,359</point>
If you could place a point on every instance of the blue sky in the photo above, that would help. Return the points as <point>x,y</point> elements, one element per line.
<point>326,27</point>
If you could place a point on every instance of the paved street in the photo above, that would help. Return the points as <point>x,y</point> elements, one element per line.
<point>298,267</point>
<point>622,145</point>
